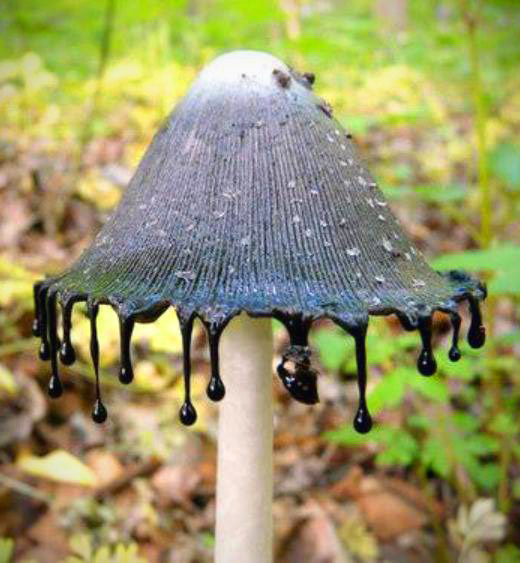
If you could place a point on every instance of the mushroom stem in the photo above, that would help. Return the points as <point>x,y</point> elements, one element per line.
<point>244,527</point>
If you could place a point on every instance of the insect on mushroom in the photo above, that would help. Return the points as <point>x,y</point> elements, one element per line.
<point>251,199</point>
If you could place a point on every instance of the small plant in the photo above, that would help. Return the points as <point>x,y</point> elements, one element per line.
<point>83,551</point>
<point>6,550</point>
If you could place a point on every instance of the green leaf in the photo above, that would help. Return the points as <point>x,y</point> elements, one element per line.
<point>480,444</point>
<point>381,349</point>
<point>506,282</point>
<point>8,384</point>
<point>505,164</point>
<point>208,540</point>
<point>400,447</point>
<point>347,436</point>
<point>388,392</point>
<point>509,338</point>
<point>434,456</point>
<point>432,388</point>
<point>81,546</point>
<point>6,550</point>
<point>485,475</point>
<point>465,422</point>
<point>390,389</point>
<point>432,193</point>
<point>508,553</point>
<point>503,260</point>
<point>103,555</point>
<point>501,257</point>
<point>59,465</point>
<point>465,369</point>
<point>419,421</point>
<point>332,347</point>
<point>504,424</point>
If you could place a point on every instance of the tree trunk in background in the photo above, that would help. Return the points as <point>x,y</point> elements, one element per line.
<point>392,14</point>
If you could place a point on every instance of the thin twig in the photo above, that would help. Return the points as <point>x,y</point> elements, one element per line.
<point>25,489</point>
<point>119,483</point>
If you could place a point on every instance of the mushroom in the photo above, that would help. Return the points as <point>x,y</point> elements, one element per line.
<point>250,202</point>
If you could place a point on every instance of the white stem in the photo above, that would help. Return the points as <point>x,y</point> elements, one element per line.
<point>244,528</point>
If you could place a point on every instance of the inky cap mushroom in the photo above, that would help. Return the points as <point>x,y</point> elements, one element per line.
<point>251,197</point>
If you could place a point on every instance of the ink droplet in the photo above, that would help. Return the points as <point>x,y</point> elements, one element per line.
<point>454,353</point>
<point>99,412</point>
<point>215,390</point>
<point>44,351</point>
<point>188,414</point>
<point>67,353</point>
<point>36,324</point>
<point>477,331</point>
<point>55,388</point>
<point>126,372</point>
<point>362,421</point>
<point>426,363</point>
<point>36,331</point>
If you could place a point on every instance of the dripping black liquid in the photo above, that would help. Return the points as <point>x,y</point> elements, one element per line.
<point>300,382</point>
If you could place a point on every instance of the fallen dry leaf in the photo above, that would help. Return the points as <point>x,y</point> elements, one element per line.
<point>350,485</point>
<point>104,464</point>
<point>315,540</point>
<point>48,532</point>
<point>391,509</point>
<point>175,484</point>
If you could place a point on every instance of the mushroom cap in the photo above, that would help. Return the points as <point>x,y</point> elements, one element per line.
<point>251,197</point>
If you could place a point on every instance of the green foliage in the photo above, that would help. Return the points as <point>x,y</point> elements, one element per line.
<point>447,440</point>
<point>508,553</point>
<point>84,552</point>
<point>333,348</point>
<point>6,550</point>
<point>505,164</point>
<point>502,260</point>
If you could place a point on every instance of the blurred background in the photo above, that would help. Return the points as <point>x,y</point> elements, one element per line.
<point>431,91</point>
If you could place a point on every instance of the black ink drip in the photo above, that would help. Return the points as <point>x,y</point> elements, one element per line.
<point>187,413</point>
<point>426,363</point>
<point>55,388</point>
<point>454,353</point>
<point>362,420</point>
<point>302,383</point>
<point>126,372</point>
<point>215,389</point>
<point>99,412</point>
<point>477,332</point>
<point>36,325</point>
<point>44,352</point>
<point>67,353</point>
